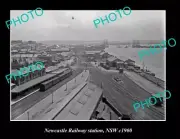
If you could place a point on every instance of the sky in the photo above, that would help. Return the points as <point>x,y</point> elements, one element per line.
<point>59,25</point>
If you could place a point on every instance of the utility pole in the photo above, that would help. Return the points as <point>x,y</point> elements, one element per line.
<point>52,97</point>
<point>28,114</point>
<point>66,87</point>
<point>101,85</point>
<point>110,115</point>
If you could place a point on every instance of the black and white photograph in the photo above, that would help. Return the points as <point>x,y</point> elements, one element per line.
<point>87,65</point>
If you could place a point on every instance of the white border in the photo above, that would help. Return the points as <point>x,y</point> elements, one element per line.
<point>99,120</point>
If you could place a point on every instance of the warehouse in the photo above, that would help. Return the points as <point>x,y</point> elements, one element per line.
<point>112,61</point>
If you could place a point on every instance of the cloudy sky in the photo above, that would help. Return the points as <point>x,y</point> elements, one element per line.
<point>59,25</point>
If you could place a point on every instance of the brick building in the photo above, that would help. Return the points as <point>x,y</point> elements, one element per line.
<point>32,75</point>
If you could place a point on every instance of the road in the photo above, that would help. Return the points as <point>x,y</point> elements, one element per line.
<point>122,96</point>
<point>21,106</point>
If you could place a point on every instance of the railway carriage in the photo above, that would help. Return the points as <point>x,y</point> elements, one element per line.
<point>56,80</point>
<point>43,84</point>
<point>48,84</point>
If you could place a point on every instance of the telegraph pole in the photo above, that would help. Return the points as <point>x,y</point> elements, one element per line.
<point>28,114</point>
<point>66,87</point>
<point>101,85</point>
<point>52,97</point>
<point>110,115</point>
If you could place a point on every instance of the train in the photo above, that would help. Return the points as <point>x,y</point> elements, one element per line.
<point>44,85</point>
<point>48,84</point>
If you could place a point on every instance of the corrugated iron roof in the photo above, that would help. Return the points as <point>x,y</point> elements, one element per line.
<point>92,52</point>
<point>111,59</point>
<point>32,83</point>
<point>61,49</point>
<point>122,58</point>
<point>75,110</point>
<point>130,60</point>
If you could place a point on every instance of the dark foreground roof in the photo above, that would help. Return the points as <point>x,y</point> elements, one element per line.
<point>82,106</point>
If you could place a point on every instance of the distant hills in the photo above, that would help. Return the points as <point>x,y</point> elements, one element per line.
<point>53,42</point>
<point>98,42</point>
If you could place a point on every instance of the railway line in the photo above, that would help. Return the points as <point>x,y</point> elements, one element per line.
<point>23,104</point>
<point>21,98</point>
<point>153,114</point>
<point>151,108</point>
<point>158,114</point>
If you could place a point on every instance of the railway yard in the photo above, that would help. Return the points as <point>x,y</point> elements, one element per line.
<point>23,103</point>
<point>55,96</point>
<point>123,95</point>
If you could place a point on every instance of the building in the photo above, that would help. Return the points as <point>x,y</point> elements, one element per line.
<point>131,68</point>
<point>15,64</point>
<point>32,42</point>
<point>43,61</point>
<point>23,50</point>
<point>18,60</point>
<point>112,61</point>
<point>92,55</point>
<point>120,64</point>
<point>51,69</point>
<point>137,67</point>
<point>104,55</point>
<point>13,52</point>
<point>130,62</point>
<point>58,50</point>
<point>32,75</point>
<point>67,55</point>
<point>50,59</point>
<point>16,41</point>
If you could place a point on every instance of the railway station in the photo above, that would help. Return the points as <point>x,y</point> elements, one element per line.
<point>85,102</point>
<point>35,83</point>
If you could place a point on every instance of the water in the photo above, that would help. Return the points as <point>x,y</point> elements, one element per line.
<point>155,63</point>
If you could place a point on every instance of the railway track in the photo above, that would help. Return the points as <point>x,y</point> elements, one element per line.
<point>26,103</point>
<point>134,117</point>
<point>154,113</point>
<point>127,93</point>
<point>152,108</point>
<point>157,113</point>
